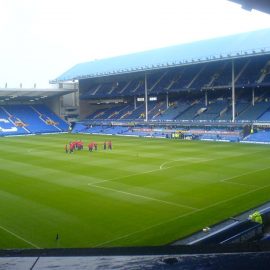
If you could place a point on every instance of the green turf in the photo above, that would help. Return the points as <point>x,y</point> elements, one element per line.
<point>143,192</point>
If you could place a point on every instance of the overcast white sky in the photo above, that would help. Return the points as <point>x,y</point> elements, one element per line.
<point>41,39</point>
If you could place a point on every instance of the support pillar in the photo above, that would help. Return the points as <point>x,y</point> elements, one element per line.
<point>146,97</point>
<point>135,102</point>
<point>233,93</point>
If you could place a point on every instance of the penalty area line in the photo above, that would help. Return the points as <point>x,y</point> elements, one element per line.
<point>180,216</point>
<point>19,237</point>
<point>243,174</point>
<point>146,197</point>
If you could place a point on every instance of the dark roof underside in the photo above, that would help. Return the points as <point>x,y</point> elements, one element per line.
<point>261,5</point>
<point>18,94</point>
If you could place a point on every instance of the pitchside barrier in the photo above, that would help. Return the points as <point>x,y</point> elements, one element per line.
<point>239,232</point>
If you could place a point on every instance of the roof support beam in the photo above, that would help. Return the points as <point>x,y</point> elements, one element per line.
<point>167,100</point>
<point>253,96</point>
<point>135,102</point>
<point>146,97</point>
<point>233,93</point>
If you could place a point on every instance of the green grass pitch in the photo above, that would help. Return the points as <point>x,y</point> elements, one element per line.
<point>143,192</point>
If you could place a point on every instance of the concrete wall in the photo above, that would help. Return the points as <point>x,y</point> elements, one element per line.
<point>86,108</point>
<point>54,104</point>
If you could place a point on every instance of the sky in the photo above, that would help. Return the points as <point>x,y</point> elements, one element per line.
<point>41,39</point>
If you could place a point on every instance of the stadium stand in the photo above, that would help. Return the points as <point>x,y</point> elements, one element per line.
<point>8,125</point>
<point>260,136</point>
<point>29,119</point>
<point>191,93</point>
<point>190,84</point>
<point>265,117</point>
<point>49,117</point>
<point>175,109</point>
<point>254,112</point>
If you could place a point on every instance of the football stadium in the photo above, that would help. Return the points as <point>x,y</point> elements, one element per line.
<point>162,148</point>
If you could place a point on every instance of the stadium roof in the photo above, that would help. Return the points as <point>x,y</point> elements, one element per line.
<point>234,46</point>
<point>31,94</point>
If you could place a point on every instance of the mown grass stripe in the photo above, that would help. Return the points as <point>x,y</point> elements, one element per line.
<point>52,194</point>
<point>19,237</point>
<point>180,216</point>
<point>146,197</point>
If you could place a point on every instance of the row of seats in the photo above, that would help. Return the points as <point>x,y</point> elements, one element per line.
<point>248,72</point>
<point>218,110</point>
<point>233,136</point>
<point>115,130</point>
<point>218,137</point>
<point>212,134</point>
<point>29,119</point>
<point>260,136</point>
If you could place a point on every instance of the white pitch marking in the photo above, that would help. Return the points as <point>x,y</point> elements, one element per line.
<point>242,184</point>
<point>161,167</point>
<point>167,162</point>
<point>141,173</point>
<point>145,229</point>
<point>19,237</point>
<point>175,218</point>
<point>239,184</point>
<point>123,177</point>
<point>146,197</point>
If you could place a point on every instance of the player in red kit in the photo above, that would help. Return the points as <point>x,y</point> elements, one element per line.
<point>110,145</point>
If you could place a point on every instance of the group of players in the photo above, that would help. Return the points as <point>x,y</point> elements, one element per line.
<point>78,145</point>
